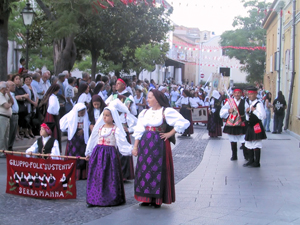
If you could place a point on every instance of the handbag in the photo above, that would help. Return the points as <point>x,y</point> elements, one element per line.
<point>257,128</point>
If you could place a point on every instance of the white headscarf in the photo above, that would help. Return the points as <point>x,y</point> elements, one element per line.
<point>69,122</point>
<point>114,107</point>
<point>216,94</point>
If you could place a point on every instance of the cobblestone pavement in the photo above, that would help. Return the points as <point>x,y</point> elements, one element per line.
<point>187,154</point>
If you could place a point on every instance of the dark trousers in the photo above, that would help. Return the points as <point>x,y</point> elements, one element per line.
<point>12,131</point>
<point>278,123</point>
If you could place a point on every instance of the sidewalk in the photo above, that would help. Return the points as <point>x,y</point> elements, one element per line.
<point>220,191</point>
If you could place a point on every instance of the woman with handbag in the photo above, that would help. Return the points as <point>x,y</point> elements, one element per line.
<point>21,97</point>
<point>32,102</point>
<point>139,100</point>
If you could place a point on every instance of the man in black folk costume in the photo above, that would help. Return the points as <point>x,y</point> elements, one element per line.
<point>128,100</point>
<point>255,130</point>
<point>234,112</point>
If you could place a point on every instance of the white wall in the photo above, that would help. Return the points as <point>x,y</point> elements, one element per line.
<point>212,60</point>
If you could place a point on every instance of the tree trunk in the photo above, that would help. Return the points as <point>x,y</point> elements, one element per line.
<point>4,16</point>
<point>95,56</point>
<point>64,54</point>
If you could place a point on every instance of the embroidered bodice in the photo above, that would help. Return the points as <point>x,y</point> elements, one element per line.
<point>107,136</point>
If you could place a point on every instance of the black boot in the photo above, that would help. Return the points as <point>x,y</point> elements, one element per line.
<point>234,151</point>
<point>250,154</point>
<point>245,151</point>
<point>256,158</point>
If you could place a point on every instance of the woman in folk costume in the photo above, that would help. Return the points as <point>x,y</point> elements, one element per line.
<point>186,102</point>
<point>214,123</point>
<point>105,181</point>
<point>96,107</point>
<point>255,130</point>
<point>83,94</point>
<point>49,107</point>
<point>154,175</point>
<point>76,123</point>
<point>234,112</point>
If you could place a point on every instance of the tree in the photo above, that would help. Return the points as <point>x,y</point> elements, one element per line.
<point>5,10</point>
<point>147,56</point>
<point>249,33</point>
<point>39,45</point>
<point>116,33</point>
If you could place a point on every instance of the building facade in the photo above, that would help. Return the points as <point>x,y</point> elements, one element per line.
<point>282,57</point>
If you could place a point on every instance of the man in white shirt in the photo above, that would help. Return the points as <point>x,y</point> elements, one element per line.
<point>14,117</point>
<point>36,84</point>
<point>6,101</point>
<point>45,83</point>
<point>174,96</point>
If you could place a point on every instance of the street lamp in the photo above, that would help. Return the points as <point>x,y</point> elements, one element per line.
<point>27,15</point>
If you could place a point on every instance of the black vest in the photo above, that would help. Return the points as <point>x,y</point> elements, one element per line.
<point>241,109</point>
<point>48,146</point>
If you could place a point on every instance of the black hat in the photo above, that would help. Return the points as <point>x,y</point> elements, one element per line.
<point>252,88</point>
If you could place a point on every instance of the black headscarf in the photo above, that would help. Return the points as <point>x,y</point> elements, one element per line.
<point>163,102</point>
<point>187,93</point>
<point>161,98</point>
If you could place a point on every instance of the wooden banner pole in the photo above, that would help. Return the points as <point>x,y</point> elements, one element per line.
<point>39,154</point>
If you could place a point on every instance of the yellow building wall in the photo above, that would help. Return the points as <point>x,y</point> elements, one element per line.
<point>270,77</point>
<point>294,125</point>
<point>294,122</point>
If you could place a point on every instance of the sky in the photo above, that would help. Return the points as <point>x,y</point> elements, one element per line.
<point>212,15</point>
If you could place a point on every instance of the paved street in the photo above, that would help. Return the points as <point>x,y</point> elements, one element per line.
<point>212,191</point>
<point>187,154</point>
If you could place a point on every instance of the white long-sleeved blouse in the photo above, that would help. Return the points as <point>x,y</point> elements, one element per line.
<point>154,118</point>
<point>185,101</point>
<point>53,105</point>
<point>121,142</point>
<point>54,151</point>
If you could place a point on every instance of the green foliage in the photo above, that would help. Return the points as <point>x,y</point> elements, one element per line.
<point>249,33</point>
<point>147,56</point>
<point>115,33</point>
<point>16,29</point>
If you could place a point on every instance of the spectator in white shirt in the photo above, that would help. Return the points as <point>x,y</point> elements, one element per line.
<point>174,96</point>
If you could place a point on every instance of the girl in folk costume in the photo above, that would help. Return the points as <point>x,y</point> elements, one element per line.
<point>255,131</point>
<point>37,180</point>
<point>23,181</point>
<point>44,181</point>
<point>76,123</point>
<point>214,123</point>
<point>105,182</point>
<point>234,112</point>
<point>186,102</point>
<point>50,109</point>
<point>95,109</point>
<point>51,180</point>
<point>46,144</point>
<point>29,179</point>
<point>154,176</point>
